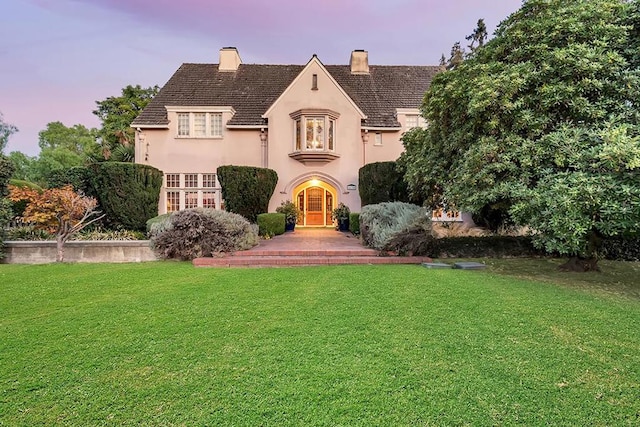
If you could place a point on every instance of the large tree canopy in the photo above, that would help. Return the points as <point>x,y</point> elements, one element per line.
<point>116,114</point>
<point>543,121</point>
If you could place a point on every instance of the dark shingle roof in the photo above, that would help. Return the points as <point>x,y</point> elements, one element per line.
<point>253,88</point>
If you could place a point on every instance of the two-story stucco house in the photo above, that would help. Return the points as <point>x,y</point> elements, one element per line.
<point>314,124</point>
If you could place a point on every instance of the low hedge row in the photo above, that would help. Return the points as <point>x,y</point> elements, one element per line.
<point>621,249</point>
<point>271,224</point>
<point>485,246</point>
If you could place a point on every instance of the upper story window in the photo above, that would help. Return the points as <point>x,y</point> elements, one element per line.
<point>414,121</point>
<point>314,130</point>
<point>200,125</point>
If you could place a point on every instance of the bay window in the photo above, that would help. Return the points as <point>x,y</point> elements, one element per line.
<point>314,130</point>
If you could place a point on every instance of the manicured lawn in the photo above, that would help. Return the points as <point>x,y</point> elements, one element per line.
<point>167,344</point>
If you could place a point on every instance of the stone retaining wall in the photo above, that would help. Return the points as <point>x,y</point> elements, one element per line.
<point>42,252</point>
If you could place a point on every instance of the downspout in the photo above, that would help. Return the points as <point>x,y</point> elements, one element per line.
<point>264,148</point>
<point>365,139</point>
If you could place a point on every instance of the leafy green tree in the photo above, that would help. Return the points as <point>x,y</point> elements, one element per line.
<point>24,166</point>
<point>547,106</point>
<point>6,130</point>
<point>63,147</point>
<point>116,114</point>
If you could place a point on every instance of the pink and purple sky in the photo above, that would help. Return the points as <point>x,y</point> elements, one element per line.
<point>57,57</point>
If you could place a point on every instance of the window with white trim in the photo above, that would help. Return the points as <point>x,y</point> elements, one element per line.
<point>200,125</point>
<point>192,190</point>
<point>314,130</point>
<point>414,121</point>
<point>377,140</point>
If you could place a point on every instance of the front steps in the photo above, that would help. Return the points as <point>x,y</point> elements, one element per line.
<point>302,257</point>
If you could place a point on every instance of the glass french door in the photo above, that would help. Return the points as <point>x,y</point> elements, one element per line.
<point>316,203</point>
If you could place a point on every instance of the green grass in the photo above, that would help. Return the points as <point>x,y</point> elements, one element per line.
<point>166,344</point>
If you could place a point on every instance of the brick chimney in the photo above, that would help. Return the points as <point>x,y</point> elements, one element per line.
<point>359,62</point>
<point>229,59</point>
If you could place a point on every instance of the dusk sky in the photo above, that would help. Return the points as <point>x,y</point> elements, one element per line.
<point>57,57</point>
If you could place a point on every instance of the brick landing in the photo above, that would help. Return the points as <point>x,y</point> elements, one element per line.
<point>307,246</point>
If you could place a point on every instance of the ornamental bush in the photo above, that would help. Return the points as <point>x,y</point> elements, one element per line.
<point>271,224</point>
<point>382,182</point>
<point>246,190</point>
<point>354,223</point>
<point>158,223</point>
<point>19,206</point>
<point>621,248</point>
<point>380,222</point>
<point>202,232</point>
<point>128,193</point>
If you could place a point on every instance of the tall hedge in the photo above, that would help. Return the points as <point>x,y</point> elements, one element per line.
<point>382,182</point>
<point>128,193</point>
<point>78,177</point>
<point>246,190</point>
<point>6,170</point>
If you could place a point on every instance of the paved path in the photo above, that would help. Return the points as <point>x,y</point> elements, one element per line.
<point>307,246</point>
<point>311,238</point>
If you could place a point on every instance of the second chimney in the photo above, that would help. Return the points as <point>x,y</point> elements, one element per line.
<point>359,62</point>
<point>229,59</point>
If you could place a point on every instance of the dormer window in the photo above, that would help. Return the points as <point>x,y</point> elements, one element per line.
<point>314,135</point>
<point>200,125</point>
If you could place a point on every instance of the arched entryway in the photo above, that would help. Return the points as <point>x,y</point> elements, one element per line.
<point>316,199</point>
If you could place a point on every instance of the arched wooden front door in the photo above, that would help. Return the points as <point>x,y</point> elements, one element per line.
<point>316,203</point>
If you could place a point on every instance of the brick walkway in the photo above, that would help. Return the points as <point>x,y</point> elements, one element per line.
<point>307,246</point>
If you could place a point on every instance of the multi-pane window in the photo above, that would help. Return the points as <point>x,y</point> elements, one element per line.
<point>215,124</point>
<point>414,121</point>
<point>209,180</point>
<point>191,190</point>
<point>190,180</point>
<point>173,201</point>
<point>200,125</point>
<point>183,124</point>
<point>173,180</point>
<point>190,199</point>
<point>209,199</point>
<point>318,134</point>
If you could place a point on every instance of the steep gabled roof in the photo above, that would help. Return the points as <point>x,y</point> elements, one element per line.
<point>254,87</point>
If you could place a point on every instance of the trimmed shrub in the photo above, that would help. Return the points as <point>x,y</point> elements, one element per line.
<point>486,247</point>
<point>128,193</point>
<point>271,224</point>
<point>382,182</point>
<point>78,177</point>
<point>354,223</point>
<point>380,222</point>
<point>621,248</point>
<point>202,232</point>
<point>246,190</point>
